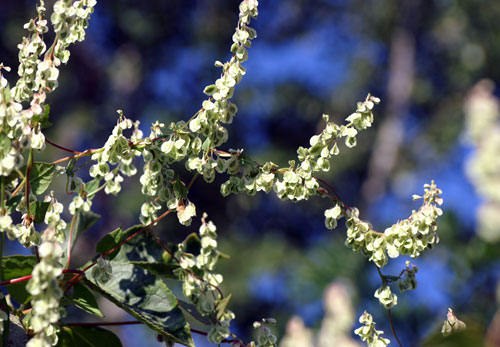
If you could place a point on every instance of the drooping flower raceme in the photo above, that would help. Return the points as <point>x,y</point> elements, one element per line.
<point>410,236</point>
<point>369,334</point>
<point>203,291</point>
<point>43,286</point>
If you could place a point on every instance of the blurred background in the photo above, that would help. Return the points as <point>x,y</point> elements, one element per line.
<point>438,119</point>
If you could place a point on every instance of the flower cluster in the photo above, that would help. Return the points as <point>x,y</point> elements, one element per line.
<point>253,178</point>
<point>407,237</point>
<point>55,224</point>
<point>297,334</point>
<point>335,328</point>
<point>482,118</point>
<point>332,215</point>
<point>158,180</point>
<point>369,334</point>
<point>408,282</point>
<point>299,183</point>
<point>202,290</point>
<point>116,151</point>
<point>21,128</point>
<point>46,293</point>
<point>15,133</point>
<point>163,148</point>
<point>103,270</point>
<point>387,298</point>
<point>43,286</point>
<point>69,19</point>
<point>452,324</point>
<point>265,337</point>
<point>24,231</point>
<point>79,204</point>
<point>35,76</point>
<point>217,109</point>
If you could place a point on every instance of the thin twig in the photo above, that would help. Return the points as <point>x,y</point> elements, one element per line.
<point>25,278</point>
<point>162,245</point>
<point>384,282</point>
<point>37,255</point>
<point>70,240</point>
<point>97,324</point>
<point>392,327</point>
<point>331,189</point>
<point>27,188</point>
<point>18,188</point>
<point>76,278</point>
<point>61,147</point>
<point>78,156</point>
<point>192,180</point>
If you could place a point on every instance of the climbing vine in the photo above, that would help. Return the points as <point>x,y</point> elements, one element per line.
<point>31,213</point>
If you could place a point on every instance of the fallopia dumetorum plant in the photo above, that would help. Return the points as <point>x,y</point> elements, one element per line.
<point>153,270</point>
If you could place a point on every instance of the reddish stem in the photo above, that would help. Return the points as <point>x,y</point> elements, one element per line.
<point>37,255</point>
<point>392,327</point>
<point>26,278</point>
<point>330,188</point>
<point>76,156</point>
<point>61,147</point>
<point>27,187</point>
<point>199,332</point>
<point>160,243</point>
<point>70,240</point>
<point>76,278</point>
<point>96,324</point>
<point>384,282</point>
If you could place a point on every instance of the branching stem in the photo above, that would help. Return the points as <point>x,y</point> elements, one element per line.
<point>384,281</point>
<point>61,147</point>
<point>26,278</point>
<point>76,278</point>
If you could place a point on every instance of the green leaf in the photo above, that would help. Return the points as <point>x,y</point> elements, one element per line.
<point>84,221</point>
<point>13,202</point>
<point>139,291</point>
<point>209,90</point>
<point>206,144</point>
<point>193,311</point>
<point>41,176</point>
<point>18,266</point>
<point>43,118</point>
<point>192,244</point>
<point>180,190</point>
<point>114,238</point>
<point>84,299</point>
<point>92,186</point>
<point>87,337</point>
<point>221,306</point>
<point>159,269</point>
<point>4,143</point>
<point>38,209</point>
<point>109,241</point>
